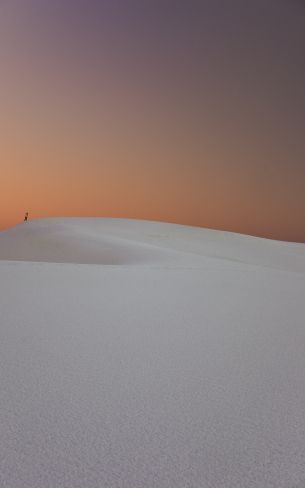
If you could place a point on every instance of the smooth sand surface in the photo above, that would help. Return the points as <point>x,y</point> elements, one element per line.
<point>142,354</point>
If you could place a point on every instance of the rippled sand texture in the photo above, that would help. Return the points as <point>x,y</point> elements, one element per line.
<point>140,354</point>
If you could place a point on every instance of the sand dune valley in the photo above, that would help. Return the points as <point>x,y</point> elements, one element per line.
<point>137,354</point>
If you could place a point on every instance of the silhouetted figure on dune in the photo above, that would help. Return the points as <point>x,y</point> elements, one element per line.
<point>26,216</point>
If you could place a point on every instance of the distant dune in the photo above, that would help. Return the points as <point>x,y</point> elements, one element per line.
<point>138,354</point>
<point>122,241</point>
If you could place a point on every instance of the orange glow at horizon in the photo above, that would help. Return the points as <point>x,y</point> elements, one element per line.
<point>157,125</point>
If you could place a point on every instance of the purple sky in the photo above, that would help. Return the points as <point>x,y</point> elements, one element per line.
<point>185,111</point>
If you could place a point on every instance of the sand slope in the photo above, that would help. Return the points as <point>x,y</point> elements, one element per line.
<point>141,354</point>
<point>123,241</point>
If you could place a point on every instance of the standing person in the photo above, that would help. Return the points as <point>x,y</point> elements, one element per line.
<point>26,216</point>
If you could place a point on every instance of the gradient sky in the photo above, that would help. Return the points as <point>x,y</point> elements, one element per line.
<point>184,111</point>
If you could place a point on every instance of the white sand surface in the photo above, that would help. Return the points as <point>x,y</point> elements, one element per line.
<point>140,354</point>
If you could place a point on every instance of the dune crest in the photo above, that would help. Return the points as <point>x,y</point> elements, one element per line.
<point>124,242</point>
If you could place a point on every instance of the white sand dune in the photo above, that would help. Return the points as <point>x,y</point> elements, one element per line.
<point>122,241</point>
<point>142,354</point>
